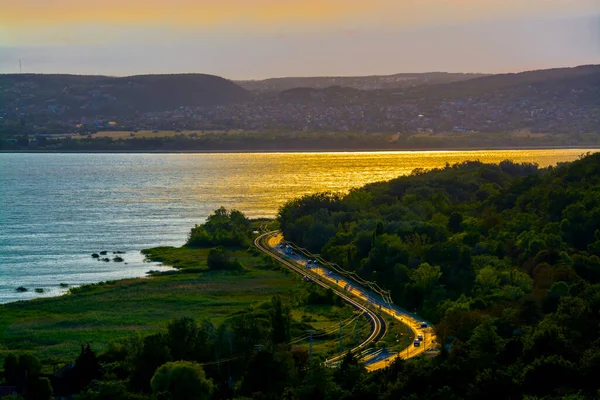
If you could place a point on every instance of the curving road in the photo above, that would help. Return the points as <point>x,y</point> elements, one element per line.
<point>379,327</point>
<point>269,244</point>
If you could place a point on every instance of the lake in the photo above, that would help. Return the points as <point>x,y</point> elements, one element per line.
<point>58,209</point>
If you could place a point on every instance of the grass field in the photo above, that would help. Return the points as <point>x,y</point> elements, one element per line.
<point>155,134</point>
<point>53,329</point>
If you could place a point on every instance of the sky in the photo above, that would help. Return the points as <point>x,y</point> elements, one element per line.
<point>256,39</point>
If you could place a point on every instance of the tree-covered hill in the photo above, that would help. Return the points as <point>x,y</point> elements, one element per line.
<point>395,81</point>
<point>95,96</point>
<point>504,258</point>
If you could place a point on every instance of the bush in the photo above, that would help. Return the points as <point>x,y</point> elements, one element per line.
<point>223,228</point>
<point>220,259</point>
<point>181,380</point>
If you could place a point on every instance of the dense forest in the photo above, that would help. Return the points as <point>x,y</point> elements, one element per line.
<point>504,259</point>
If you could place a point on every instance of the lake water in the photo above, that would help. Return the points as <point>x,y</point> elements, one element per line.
<point>58,209</point>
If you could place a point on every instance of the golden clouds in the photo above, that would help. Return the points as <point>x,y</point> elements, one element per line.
<point>187,12</point>
<point>23,18</point>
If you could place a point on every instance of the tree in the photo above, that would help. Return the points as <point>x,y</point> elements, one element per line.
<point>220,259</point>
<point>269,372</point>
<point>318,384</point>
<point>19,369</point>
<point>39,389</point>
<point>87,368</point>
<point>487,279</point>
<point>280,321</point>
<point>181,339</point>
<point>455,222</point>
<point>485,342</point>
<point>182,380</point>
<point>350,372</point>
<point>153,353</point>
<point>425,276</point>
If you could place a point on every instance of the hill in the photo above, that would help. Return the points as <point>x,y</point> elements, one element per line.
<point>78,96</point>
<point>564,82</point>
<point>565,100</point>
<point>357,82</point>
<point>557,107</point>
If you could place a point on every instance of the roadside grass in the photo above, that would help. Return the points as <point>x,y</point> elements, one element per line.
<point>325,322</point>
<point>399,336</point>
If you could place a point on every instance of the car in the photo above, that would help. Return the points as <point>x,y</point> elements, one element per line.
<point>419,337</point>
<point>417,343</point>
<point>423,324</point>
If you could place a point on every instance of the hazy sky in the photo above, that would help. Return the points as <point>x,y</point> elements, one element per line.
<point>242,39</point>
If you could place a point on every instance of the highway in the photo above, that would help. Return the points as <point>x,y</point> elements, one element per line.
<point>271,244</point>
<point>378,324</point>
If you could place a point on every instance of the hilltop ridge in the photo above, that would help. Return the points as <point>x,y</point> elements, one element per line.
<point>369,82</point>
<point>76,95</point>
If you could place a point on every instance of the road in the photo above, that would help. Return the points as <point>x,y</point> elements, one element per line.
<point>379,327</point>
<point>342,286</point>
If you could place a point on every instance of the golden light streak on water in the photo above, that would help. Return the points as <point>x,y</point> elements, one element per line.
<point>259,183</point>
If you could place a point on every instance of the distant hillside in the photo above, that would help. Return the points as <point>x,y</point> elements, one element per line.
<point>542,104</point>
<point>357,82</point>
<point>565,100</point>
<point>553,84</point>
<point>564,82</point>
<point>75,95</point>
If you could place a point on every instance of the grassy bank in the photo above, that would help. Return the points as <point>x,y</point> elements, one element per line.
<point>53,329</point>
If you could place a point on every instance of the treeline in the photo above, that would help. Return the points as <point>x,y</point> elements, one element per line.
<point>249,355</point>
<point>504,258</point>
<point>189,360</point>
<point>319,140</point>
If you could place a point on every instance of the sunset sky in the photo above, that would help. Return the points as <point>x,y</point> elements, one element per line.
<point>243,39</point>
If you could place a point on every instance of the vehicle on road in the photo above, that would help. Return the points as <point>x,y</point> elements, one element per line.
<point>419,337</point>
<point>423,324</point>
<point>417,343</point>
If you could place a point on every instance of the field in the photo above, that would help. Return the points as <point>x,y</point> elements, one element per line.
<point>160,134</point>
<point>53,329</point>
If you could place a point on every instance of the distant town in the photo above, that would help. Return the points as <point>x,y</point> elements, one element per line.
<point>554,104</point>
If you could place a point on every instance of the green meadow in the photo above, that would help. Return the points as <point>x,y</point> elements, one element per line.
<point>53,329</point>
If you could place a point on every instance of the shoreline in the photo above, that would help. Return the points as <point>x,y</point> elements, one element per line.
<point>334,150</point>
<point>66,291</point>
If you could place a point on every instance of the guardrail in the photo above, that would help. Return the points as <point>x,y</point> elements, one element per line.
<point>377,322</point>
